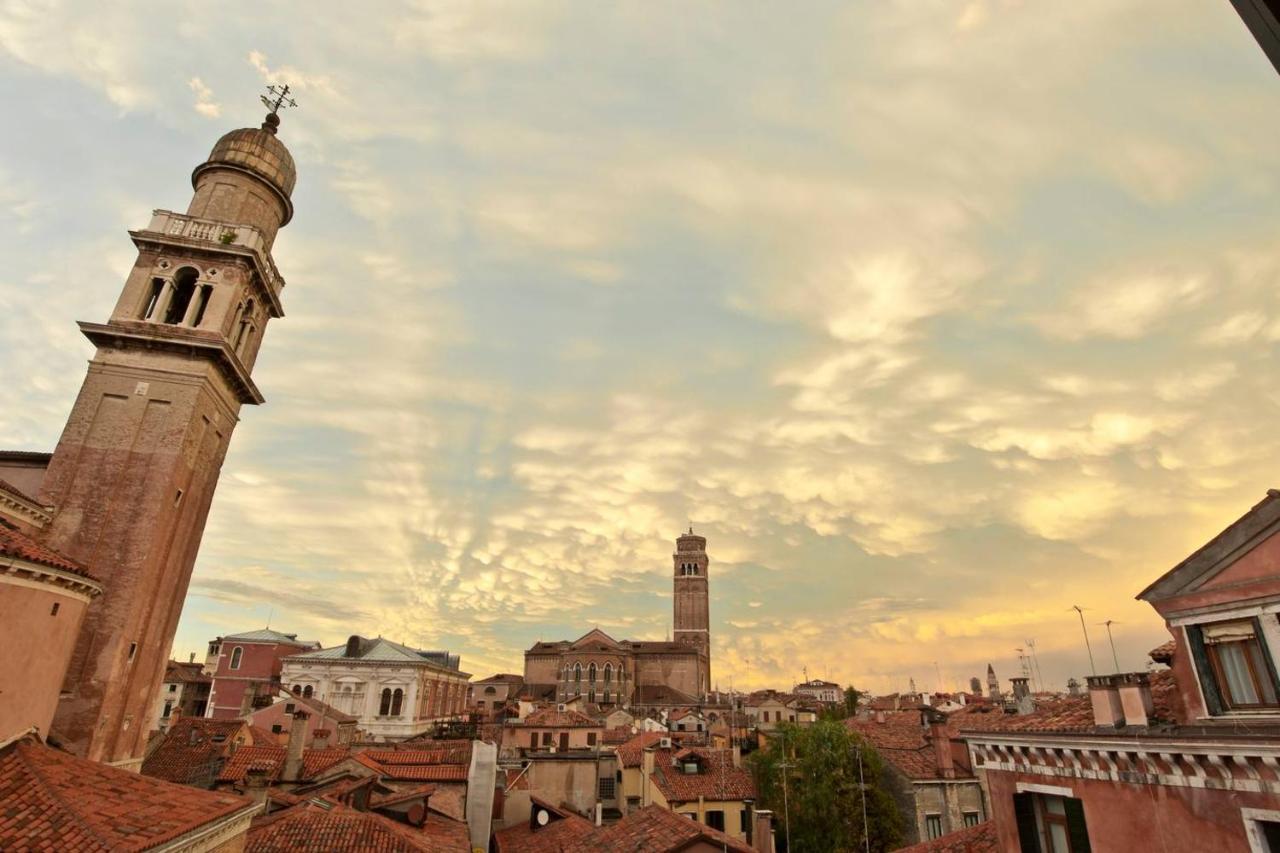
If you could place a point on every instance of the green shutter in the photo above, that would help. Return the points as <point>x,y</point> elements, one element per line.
<point>1024,810</point>
<point>1075,826</point>
<point>1266,653</point>
<point>1212,698</point>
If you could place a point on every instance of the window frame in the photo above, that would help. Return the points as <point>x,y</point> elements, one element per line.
<point>1214,689</point>
<point>932,820</point>
<point>237,657</point>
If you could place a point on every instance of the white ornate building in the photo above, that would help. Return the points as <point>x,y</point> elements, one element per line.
<point>396,691</point>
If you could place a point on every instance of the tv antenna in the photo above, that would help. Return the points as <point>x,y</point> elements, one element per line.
<point>1080,610</point>
<point>277,97</point>
<point>1114,658</point>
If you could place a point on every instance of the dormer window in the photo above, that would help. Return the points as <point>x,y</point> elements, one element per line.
<point>1236,671</point>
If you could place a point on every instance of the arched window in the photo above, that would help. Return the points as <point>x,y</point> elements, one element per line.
<point>306,692</point>
<point>396,699</point>
<point>577,672</point>
<point>184,287</point>
<point>236,654</point>
<point>153,298</point>
<point>608,673</point>
<point>243,327</point>
<point>297,690</point>
<point>591,695</point>
<point>384,707</point>
<point>591,673</point>
<point>606,697</point>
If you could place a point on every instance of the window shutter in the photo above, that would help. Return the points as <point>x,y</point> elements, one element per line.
<point>1024,810</point>
<point>1266,652</point>
<point>1076,827</point>
<point>1212,698</point>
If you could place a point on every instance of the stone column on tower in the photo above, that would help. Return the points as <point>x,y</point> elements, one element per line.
<point>691,620</point>
<point>134,472</point>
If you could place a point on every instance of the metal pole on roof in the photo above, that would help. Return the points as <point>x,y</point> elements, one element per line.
<point>1114,658</point>
<point>786,806</point>
<point>1080,611</point>
<point>862,786</point>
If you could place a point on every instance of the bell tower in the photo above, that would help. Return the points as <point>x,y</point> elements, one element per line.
<point>691,621</point>
<point>134,472</point>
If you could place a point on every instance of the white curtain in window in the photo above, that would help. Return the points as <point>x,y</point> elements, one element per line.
<point>1235,670</point>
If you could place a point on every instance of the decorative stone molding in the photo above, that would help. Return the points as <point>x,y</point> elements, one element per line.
<point>35,514</point>
<point>35,576</point>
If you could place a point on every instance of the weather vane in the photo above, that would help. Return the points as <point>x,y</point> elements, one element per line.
<point>280,94</point>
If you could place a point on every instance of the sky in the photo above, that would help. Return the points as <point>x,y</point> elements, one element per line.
<point>935,318</point>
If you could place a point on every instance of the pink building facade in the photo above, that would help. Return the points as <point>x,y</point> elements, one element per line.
<point>242,664</point>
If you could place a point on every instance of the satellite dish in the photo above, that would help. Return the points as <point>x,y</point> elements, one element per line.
<point>544,817</point>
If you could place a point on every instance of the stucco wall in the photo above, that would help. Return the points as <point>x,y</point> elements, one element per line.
<point>38,647</point>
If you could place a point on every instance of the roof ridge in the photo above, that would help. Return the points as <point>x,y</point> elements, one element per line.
<point>47,785</point>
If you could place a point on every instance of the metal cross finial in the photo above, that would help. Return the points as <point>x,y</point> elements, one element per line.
<point>279,97</point>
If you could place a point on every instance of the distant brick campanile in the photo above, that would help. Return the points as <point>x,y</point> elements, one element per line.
<point>134,472</point>
<point>691,620</point>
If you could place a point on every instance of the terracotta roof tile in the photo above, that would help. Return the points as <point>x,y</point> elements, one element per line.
<point>974,839</point>
<point>186,673</point>
<point>1163,653</point>
<point>193,750</point>
<point>550,718</point>
<point>426,772</point>
<point>55,801</point>
<point>14,543</point>
<point>631,753</point>
<point>617,736</point>
<point>717,779</point>
<point>1065,715</point>
<point>329,826</point>
<point>565,830</point>
<point>654,829</point>
<point>314,762</point>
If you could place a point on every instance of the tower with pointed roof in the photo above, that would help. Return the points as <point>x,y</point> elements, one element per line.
<point>691,619</point>
<point>134,472</point>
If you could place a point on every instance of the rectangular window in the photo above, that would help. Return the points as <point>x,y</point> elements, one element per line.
<point>1050,824</point>
<point>591,738</point>
<point>1238,664</point>
<point>564,741</point>
<point>53,611</point>
<point>933,826</point>
<point>533,740</point>
<point>546,738</point>
<point>715,819</point>
<point>972,818</point>
<point>607,790</point>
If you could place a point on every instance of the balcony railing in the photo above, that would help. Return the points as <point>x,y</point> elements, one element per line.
<point>214,231</point>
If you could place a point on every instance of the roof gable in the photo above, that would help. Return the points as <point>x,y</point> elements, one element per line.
<point>594,637</point>
<point>1220,553</point>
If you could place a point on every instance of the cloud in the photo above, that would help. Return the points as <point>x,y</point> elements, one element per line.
<point>205,104</point>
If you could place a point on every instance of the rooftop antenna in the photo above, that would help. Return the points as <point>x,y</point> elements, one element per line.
<point>271,612</point>
<point>1035,660</point>
<point>1080,610</point>
<point>276,99</point>
<point>938,670</point>
<point>1114,658</point>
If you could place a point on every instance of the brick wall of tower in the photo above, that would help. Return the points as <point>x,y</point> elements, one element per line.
<point>691,603</point>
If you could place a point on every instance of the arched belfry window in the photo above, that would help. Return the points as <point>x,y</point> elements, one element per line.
<point>577,672</point>
<point>591,673</point>
<point>184,288</point>
<point>384,706</point>
<point>244,327</point>
<point>608,673</point>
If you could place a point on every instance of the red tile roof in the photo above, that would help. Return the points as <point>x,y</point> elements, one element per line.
<point>617,736</point>
<point>328,826</point>
<point>975,839</point>
<point>314,762</point>
<point>446,755</point>
<point>653,829</point>
<point>14,543</point>
<point>550,718</point>
<point>556,836</point>
<point>192,750</point>
<point>55,801</point>
<point>186,673</point>
<point>1163,653</point>
<point>1065,715</point>
<point>717,779</point>
<point>631,753</point>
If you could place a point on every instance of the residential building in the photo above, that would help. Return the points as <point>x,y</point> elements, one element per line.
<point>395,691</point>
<point>246,665</point>
<point>639,673</point>
<point>56,801</point>
<point>708,786</point>
<point>766,709</point>
<point>340,827</point>
<point>555,829</point>
<point>577,780</point>
<point>1181,760</point>
<point>687,720</point>
<point>124,497</point>
<point>552,730</point>
<point>326,726</point>
<point>929,772</point>
<point>183,693</point>
<point>193,750</point>
<point>827,692</point>
<point>489,696</point>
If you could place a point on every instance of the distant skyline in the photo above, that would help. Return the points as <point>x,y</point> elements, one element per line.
<point>936,319</point>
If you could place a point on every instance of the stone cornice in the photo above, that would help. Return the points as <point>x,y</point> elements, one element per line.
<point>173,339</point>
<point>212,835</point>
<point>16,504</point>
<point>26,573</point>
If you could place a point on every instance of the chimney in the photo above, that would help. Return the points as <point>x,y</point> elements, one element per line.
<point>762,837</point>
<point>940,740</point>
<point>1020,688</point>
<point>1135,698</point>
<point>320,738</point>
<point>191,658</point>
<point>1104,695</point>
<point>737,755</point>
<point>293,757</point>
<point>646,769</point>
<point>255,783</point>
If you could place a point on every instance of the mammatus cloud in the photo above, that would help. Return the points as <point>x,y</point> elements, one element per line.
<point>936,319</point>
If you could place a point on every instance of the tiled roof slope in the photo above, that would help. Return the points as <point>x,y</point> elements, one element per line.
<point>189,753</point>
<point>718,780</point>
<point>901,741</point>
<point>556,836</point>
<point>327,827</point>
<point>550,718</point>
<point>974,839</point>
<point>654,829</point>
<point>314,762</point>
<point>631,753</point>
<point>185,673</point>
<point>1067,715</point>
<point>14,543</point>
<point>54,801</point>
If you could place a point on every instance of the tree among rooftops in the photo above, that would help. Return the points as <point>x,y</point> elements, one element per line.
<point>826,790</point>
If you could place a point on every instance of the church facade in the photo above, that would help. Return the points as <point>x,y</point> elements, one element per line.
<point>638,674</point>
